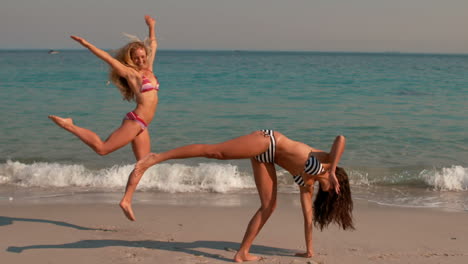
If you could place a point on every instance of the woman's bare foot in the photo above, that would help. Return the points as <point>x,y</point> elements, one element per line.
<point>127,209</point>
<point>64,123</point>
<point>239,257</point>
<point>304,255</point>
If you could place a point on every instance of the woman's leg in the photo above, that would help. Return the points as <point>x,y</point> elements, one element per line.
<point>119,138</point>
<point>238,148</point>
<point>141,147</point>
<point>242,147</point>
<point>266,182</point>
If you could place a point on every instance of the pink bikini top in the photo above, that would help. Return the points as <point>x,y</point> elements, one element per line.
<point>146,84</point>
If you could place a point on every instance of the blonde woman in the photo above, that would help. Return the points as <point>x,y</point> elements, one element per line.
<point>131,70</point>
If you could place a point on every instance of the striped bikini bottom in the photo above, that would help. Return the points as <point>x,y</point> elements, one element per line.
<point>269,155</point>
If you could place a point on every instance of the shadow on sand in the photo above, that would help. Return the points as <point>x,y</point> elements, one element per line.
<point>5,220</point>
<point>193,248</point>
<point>187,247</point>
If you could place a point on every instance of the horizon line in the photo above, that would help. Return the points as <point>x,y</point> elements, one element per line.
<point>256,50</point>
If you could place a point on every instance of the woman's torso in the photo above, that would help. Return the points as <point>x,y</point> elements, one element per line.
<point>292,155</point>
<point>147,102</point>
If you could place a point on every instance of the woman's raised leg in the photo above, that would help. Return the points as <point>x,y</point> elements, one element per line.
<point>266,182</point>
<point>246,146</point>
<point>242,147</point>
<point>119,138</point>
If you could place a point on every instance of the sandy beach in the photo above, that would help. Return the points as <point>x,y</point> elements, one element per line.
<point>175,233</point>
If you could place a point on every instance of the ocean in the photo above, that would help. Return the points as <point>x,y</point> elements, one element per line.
<point>405,117</point>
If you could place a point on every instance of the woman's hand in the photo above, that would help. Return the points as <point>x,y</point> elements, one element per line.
<point>80,40</point>
<point>151,22</point>
<point>334,184</point>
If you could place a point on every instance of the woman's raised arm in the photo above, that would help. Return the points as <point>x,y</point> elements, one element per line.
<point>151,22</point>
<point>121,69</point>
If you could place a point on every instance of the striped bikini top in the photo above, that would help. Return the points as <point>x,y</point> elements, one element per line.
<point>312,167</point>
<point>146,84</point>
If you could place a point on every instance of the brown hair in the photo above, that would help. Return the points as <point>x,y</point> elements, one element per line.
<point>124,55</point>
<point>330,207</point>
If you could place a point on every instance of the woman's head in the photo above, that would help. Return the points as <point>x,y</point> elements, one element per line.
<point>331,207</point>
<point>133,55</point>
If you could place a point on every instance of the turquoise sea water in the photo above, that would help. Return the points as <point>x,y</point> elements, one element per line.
<point>405,117</point>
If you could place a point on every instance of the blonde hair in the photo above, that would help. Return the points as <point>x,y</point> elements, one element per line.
<point>124,55</point>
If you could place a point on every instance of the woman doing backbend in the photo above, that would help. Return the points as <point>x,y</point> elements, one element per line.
<point>266,148</point>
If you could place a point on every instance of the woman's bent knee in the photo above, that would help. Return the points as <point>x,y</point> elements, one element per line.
<point>101,152</point>
<point>269,209</point>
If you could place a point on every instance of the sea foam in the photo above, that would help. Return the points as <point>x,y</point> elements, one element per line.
<point>204,177</point>
<point>454,178</point>
<point>211,177</point>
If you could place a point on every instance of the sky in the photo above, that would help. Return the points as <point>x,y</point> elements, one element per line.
<point>421,26</point>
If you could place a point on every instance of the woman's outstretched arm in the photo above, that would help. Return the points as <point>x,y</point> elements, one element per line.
<point>307,211</point>
<point>336,151</point>
<point>121,69</point>
<point>151,22</point>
